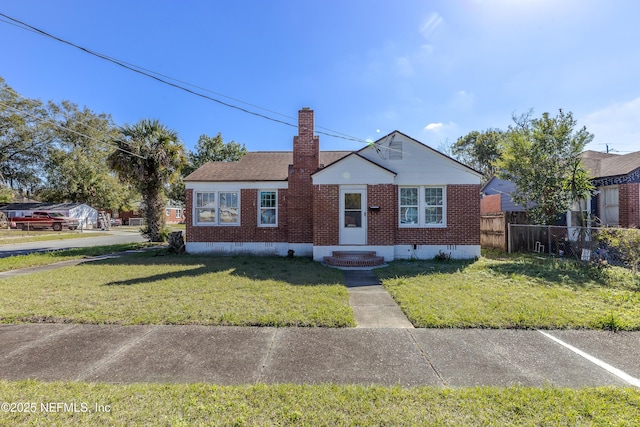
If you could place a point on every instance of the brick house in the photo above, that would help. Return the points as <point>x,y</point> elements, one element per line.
<point>617,182</point>
<point>396,198</point>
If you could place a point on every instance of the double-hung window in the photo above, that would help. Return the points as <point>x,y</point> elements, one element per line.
<point>423,206</point>
<point>409,206</point>
<point>217,207</point>
<point>268,208</point>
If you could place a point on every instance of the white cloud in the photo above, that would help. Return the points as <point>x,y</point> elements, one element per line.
<point>434,126</point>
<point>440,127</point>
<point>616,125</point>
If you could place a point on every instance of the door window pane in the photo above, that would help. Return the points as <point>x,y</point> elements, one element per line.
<point>353,210</point>
<point>353,219</point>
<point>352,201</point>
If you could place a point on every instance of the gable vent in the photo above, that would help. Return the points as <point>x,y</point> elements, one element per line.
<point>395,150</point>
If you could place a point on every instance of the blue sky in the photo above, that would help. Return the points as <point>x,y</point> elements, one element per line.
<point>434,70</point>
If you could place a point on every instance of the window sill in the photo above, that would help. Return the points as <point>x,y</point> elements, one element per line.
<point>214,224</point>
<point>422,226</point>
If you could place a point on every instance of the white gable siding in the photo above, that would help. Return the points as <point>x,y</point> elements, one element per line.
<point>419,164</point>
<point>353,170</point>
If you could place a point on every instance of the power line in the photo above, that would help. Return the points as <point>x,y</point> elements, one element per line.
<point>67,117</point>
<point>51,122</point>
<point>165,80</point>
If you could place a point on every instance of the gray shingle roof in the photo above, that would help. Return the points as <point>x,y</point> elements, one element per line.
<point>257,166</point>
<point>600,165</point>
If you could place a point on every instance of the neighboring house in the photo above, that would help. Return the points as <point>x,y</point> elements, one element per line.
<point>497,211</point>
<point>496,197</point>
<point>617,181</point>
<point>396,197</point>
<point>616,200</point>
<point>174,213</point>
<point>85,213</point>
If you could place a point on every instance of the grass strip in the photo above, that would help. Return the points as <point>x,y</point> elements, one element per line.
<point>159,288</point>
<point>514,292</point>
<point>312,405</point>
<point>44,258</point>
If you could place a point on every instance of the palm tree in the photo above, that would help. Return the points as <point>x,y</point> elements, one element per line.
<point>149,154</point>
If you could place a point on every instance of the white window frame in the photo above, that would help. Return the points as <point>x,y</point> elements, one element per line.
<point>216,207</point>
<point>422,206</point>
<point>400,206</point>
<point>260,207</point>
<point>610,209</point>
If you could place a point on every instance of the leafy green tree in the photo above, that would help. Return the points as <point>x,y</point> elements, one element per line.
<point>76,169</point>
<point>214,149</point>
<point>480,150</point>
<point>149,156</point>
<point>208,149</point>
<point>6,194</point>
<point>540,157</point>
<point>23,140</point>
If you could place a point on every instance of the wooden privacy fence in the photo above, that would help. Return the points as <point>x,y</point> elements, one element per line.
<point>493,231</point>
<point>494,228</point>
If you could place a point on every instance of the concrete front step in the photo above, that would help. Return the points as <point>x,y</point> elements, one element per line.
<point>354,259</point>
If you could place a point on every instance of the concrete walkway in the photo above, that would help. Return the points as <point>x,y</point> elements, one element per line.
<point>372,305</point>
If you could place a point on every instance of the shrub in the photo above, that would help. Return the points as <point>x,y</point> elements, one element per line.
<point>627,241</point>
<point>442,257</point>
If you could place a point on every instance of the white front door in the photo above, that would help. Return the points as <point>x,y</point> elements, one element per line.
<point>353,216</point>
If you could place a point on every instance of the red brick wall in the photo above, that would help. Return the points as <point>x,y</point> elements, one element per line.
<point>491,203</point>
<point>629,205</point>
<point>463,221</point>
<point>248,231</point>
<point>463,224</point>
<point>326,219</point>
<point>173,218</point>
<point>383,224</point>
<point>306,159</point>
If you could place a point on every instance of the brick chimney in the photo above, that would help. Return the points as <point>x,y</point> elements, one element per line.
<point>306,146</point>
<point>306,160</point>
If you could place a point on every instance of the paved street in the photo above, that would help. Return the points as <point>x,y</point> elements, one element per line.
<point>246,355</point>
<point>102,238</point>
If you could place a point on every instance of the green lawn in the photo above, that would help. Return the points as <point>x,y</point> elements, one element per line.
<point>307,405</point>
<point>35,259</point>
<point>520,291</point>
<point>158,288</point>
<point>496,291</point>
